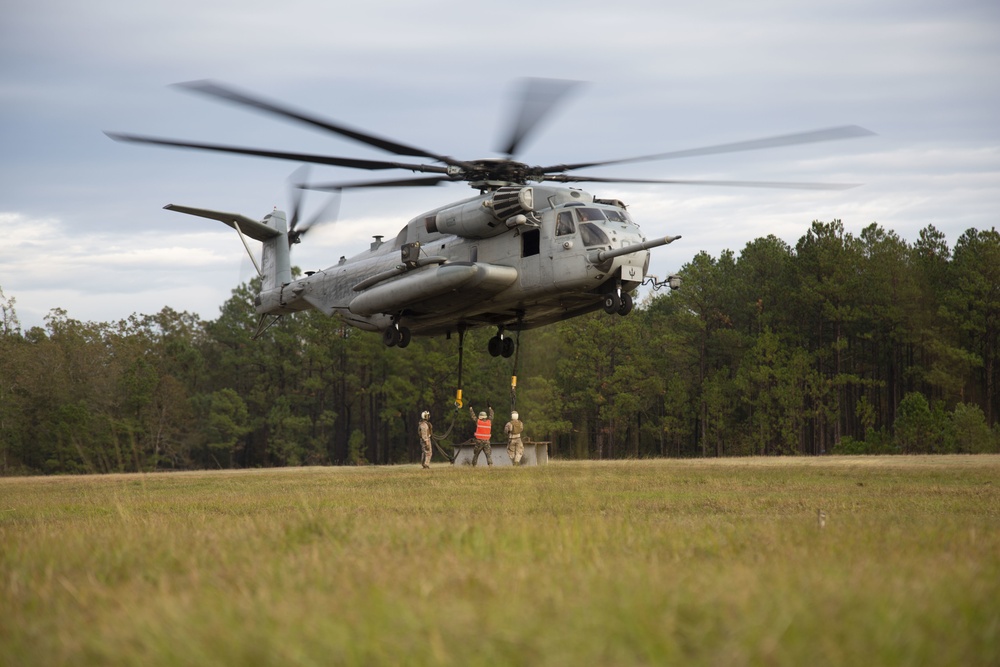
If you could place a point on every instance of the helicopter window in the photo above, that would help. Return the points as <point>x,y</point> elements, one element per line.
<point>593,235</point>
<point>564,223</point>
<point>616,216</point>
<point>590,214</point>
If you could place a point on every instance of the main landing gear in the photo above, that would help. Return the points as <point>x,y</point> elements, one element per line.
<point>396,335</point>
<point>501,346</point>
<point>618,302</point>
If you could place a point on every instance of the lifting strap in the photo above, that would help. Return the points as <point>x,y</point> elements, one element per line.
<point>513,374</point>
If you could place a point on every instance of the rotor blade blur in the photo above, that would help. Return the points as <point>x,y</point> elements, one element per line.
<point>814,136</point>
<point>354,163</point>
<point>568,178</point>
<point>394,183</point>
<point>213,89</point>
<point>538,97</point>
<point>326,215</point>
<point>299,175</point>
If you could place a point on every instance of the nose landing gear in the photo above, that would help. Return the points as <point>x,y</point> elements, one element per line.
<point>618,302</point>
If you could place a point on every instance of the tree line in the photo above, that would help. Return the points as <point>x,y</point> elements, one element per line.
<point>840,344</point>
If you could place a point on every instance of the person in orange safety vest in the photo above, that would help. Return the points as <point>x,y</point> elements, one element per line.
<point>484,431</point>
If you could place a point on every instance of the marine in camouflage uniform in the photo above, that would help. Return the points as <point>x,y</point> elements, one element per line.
<point>513,430</point>
<point>484,431</point>
<point>425,429</point>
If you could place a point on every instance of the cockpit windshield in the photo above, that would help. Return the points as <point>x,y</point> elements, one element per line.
<point>591,222</point>
<point>593,235</point>
<point>594,214</point>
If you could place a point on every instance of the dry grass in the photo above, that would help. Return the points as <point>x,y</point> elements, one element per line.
<point>637,562</point>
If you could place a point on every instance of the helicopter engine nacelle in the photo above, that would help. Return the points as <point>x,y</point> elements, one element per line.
<point>503,209</point>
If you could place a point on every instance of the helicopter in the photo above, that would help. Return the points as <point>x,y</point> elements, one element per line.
<point>521,253</point>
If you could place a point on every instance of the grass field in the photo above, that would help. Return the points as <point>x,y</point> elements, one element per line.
<point>718,562</point>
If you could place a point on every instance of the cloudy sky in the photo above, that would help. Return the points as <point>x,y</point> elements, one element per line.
<point>81,221</point>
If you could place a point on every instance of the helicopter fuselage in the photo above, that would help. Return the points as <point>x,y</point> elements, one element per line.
<point>516,257</point>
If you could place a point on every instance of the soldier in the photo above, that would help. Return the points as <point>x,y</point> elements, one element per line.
<point>425,429</point>
<point>513,429</point>
<point>484,431</point>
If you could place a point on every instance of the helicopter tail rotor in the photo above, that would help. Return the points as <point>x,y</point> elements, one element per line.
<point>327,214</point>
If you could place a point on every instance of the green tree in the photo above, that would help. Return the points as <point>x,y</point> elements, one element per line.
<point>226,423</point>
<point>971,433</point>
<point>918,429</point>
<point>775,381</point>
<point>974,304</point>
<point>825,298</point>
<point>9,324</point>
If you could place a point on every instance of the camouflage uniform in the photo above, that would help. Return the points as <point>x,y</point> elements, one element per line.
<point>513,429</point>
<point>483,428</point>
<point>425,429</point>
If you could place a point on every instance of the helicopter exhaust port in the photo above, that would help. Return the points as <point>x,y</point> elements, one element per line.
<point>505,208</point>
<point>511,201</point>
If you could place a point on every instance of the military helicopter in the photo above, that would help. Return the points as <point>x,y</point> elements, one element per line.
<point>519,254</point>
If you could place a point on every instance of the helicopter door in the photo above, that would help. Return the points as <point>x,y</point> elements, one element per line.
<point>566,250</point>
<point>530,266</point>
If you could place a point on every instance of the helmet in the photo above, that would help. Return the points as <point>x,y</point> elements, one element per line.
<point>482,415</point>
<point>425,415</point>
<point>513,415</point>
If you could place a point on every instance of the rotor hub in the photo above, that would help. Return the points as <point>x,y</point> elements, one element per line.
<point>493,173</point>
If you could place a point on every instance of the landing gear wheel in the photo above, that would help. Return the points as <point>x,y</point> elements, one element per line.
<point>612,302</point>
<point>391,337</point>
<point>627,304</point>
<point>404,337</point>
<point>507,348</point>
<point>495,346</point>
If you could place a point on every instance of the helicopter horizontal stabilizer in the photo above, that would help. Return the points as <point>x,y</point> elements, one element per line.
<point>477,280</point>
<point>252,228</point>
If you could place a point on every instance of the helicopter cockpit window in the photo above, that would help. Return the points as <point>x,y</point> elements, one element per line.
<point>586,214</point>
<point>616,216</point>
<point>593,235</point>
<point>564,223</point>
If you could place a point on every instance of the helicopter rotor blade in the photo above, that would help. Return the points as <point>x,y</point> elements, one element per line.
<point>538,98</point>
<point>814,136</point>
<point>392,183</point>
<point>226,93</point>
<point>569,178</point>
<point>536,101</point>
<point>353,163</point>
